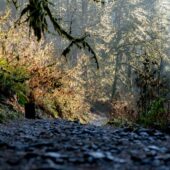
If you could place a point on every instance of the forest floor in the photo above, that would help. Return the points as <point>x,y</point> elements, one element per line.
<point>63,145</point>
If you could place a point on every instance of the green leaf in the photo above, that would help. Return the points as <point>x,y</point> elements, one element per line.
<point>22,99</point>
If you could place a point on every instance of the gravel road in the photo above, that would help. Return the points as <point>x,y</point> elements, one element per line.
<point>63,145</point>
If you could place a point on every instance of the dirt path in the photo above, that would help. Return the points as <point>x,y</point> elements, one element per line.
<point>63,145</point>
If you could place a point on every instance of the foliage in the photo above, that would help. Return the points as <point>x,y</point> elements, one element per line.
<point>12,81</point>
<point>120,122</point>
<point>37,12</point>
<point>52,85</point>
<point>156,115</point>
<point>12,76</point>
<point>7,113</point>
<point>128,38</point>
<point>150,84</point>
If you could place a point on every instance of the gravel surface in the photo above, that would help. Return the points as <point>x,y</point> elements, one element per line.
<point>64,145</point>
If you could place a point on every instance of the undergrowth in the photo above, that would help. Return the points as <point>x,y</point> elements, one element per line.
<point>156,116</point>
<point>31,71</point>
<point>12,81</point>
<point>8,113</point>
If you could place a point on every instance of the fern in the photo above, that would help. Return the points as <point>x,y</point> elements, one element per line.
<point>12,81</point>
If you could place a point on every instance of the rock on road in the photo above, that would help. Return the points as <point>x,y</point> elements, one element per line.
<point>63,145</point>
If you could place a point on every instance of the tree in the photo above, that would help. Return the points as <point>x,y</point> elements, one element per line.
<point>36,13</point>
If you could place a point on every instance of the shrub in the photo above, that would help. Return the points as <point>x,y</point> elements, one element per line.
<point>7,113</point>
<point>52,85</point>
<point>12,81</point>
<point>155,116</point>
<point>150,82</point>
